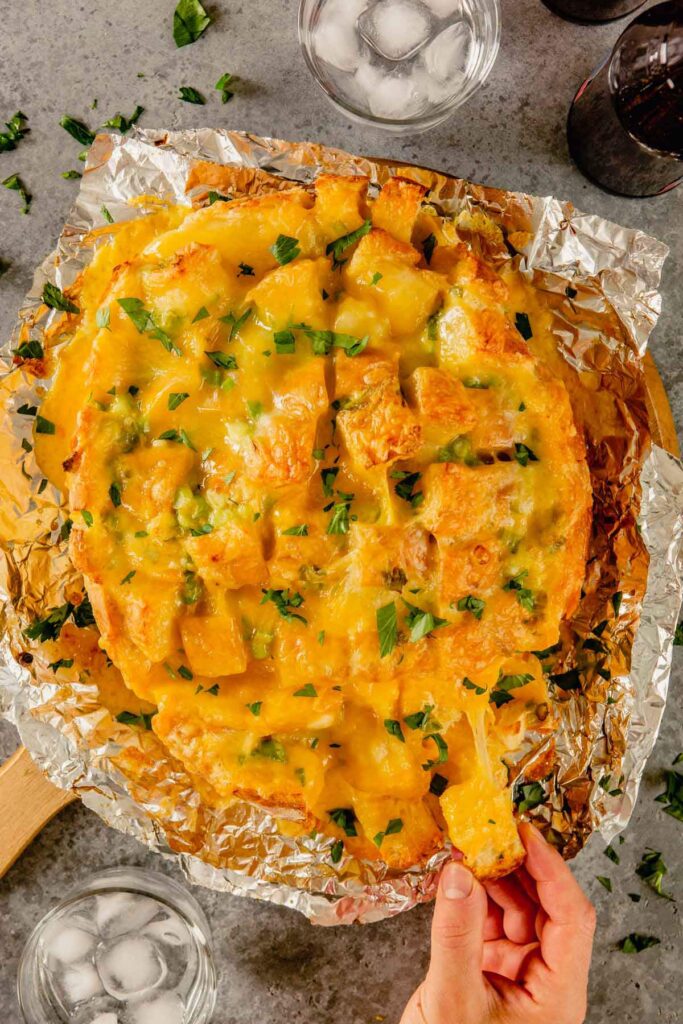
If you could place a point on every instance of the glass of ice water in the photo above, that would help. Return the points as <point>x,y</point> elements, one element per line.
<point>130,947</point>
<point>403,65</point>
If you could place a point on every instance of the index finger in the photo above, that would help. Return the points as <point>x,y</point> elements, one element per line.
<point>567,936</point>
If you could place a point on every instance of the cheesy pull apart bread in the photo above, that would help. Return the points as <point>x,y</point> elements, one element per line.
<point>327,499</point>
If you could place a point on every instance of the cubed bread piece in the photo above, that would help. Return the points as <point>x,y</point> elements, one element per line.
<point>467,502</point>
<point>481,825</point>
<point>231,556</point>
<point>338,204</point>
<point>404,833</point>
<point>214,645</point>
<point>397,207</point>
<point>442,399</point>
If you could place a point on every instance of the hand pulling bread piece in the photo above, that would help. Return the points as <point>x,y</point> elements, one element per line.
<point>327,500</point>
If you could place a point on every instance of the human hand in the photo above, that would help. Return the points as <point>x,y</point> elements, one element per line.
<point>513,951</point>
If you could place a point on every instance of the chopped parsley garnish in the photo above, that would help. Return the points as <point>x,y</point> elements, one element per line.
<point>254,408</point>
<point>387,628</point>
<point>106,214</point>
<point>245,270</point>
<point>328,477</point>
<point>308,690</point>
<point>120,123</point>
<point>55,298</point>
<point>376,278</point>
<point>115,494</point>
<point>285,249</point>
<point>190,19</point>
<point>433,326</point>
<point>522,593</point>
<point>44,426</point>
<point>635,943</point>
<point>201,314</point>
<point>145,324</point>
<point>27,410</point>
<point>420,622</point>
<point>236,322</point>
<point>458,450</point>
<point>393,727</point>
<point>438,785</point>
<point>419,719</point>
<point>611,854</point>
<point>255,708</point>
<point>16,130</point>
<point>179,437</point>
<point>339,246</point>
<point>128,577</point>
<point>271,749</point>
<point>428,247</point>
<point>300,530</point>
<point>324,341</point>
<point>223,84</point>
<point>340,519</point>
<point>49,627</point>
<point>284,601</point>
<point>529,796</point>
<point>469,685</point>
<point>524,455</point>
<point>285,342</point>
<point>394,826</point>
<point>652,870</point>
<point>79,131</point>
<point>474,605</point>
<point>345,819</point>
<point>176,398</point>
<point>336,851</point>
<point>222,360</point>
<point>217,197</point>
<point>87,517</point>
<point>190,95</point>
<point>405,488</point>
<point>605,882</point>
<point>142,719</point>
<point>15,183</point>
<point>523,326</point>
<point>500,694</point>
<point>61,663</point>
<point>441,749</point>
<point>476,383</point>
<point>673,794</point>
<point>570,292</point>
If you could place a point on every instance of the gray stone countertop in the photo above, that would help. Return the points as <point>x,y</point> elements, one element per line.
<point>58,57</point>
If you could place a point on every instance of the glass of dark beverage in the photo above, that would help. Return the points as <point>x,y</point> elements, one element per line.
<point>593,10</point>
<point>625,125</point>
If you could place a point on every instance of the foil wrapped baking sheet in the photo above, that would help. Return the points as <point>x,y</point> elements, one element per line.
<point>609,673</point>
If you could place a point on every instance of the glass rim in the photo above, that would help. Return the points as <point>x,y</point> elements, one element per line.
<point>151,884</point>
<point>426,119</point>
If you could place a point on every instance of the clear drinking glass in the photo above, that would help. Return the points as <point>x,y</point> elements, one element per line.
<point>625,126</point>
<point>403,65</point>
<point>593,10</point>
<point>129,947</point>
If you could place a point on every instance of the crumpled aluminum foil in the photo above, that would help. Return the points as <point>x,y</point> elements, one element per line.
<point>602,283</point>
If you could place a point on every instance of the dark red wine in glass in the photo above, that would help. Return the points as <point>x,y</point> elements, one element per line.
<point>625,125</point>
<point>593,10</point>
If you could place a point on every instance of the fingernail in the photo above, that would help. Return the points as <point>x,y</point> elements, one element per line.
<point>457,881</point>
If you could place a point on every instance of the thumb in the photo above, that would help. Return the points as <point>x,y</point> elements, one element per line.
<point>455,982</point>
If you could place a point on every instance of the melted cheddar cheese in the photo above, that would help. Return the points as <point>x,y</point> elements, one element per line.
<point>326,500</point>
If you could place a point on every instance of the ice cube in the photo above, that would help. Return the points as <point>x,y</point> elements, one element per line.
<point>166,1008</point>
<point>171,930</point>
<point>66,943</point>
<point>444,8</point>
<point>78,983</point>
<point>130,966</point>
<point>395,97</point>
<point>447,56</point>
<point>396,29</point>
<point>335,37</point>
<point>119,912</point>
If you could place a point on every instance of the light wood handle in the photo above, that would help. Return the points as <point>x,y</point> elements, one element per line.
<point>27,802</point>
